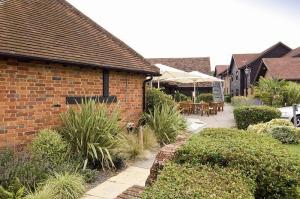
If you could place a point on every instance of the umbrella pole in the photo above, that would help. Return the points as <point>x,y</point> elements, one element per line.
<point>194,92</point>
<point>158,82</point>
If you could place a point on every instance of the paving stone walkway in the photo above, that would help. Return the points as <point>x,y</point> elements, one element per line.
<point>137,173</point>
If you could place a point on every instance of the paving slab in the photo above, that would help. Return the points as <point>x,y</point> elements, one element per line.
<point>119,183</point>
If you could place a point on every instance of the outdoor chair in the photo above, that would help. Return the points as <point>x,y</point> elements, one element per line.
<point>204,108</point>
<point>186,107</point>
<point>221,106</point>
<point>213,107</point>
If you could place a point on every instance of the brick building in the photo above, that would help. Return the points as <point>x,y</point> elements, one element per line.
<point>52,54</point>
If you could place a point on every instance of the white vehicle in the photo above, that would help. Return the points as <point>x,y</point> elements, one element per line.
<point>287,113</point>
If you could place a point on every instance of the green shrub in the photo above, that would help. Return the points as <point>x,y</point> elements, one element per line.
<point>89,175</point>
<point>243,101</point>
<point>227,98</point>
<point>132,147</point>
<point>166,122</point>
<point>179,97</point>
<point>247,115</point>
<point>15,190</point>
<point>285,134</point>
<point>180,182</point>
<point>65,186</point>
<point>280,122</point>
<point>205,97</point>
<point>271,91</point>
<point>280,129</point>
<point>49,147</point>
<point>93,132</point>
<point>265,127</point>
<point>149,138</point>
<point>292,93</point>
<point>41,194</point>
<point>260,157</point>
<point>20,166</point>
<point>155,97</point>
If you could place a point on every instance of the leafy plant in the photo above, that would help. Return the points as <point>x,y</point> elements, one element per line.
<point>285,134</point>
<point>292,93</point>
<point>92,132</point>
<point>49,147</point>
<point>247,115</point>
<point>64,186</point>
<point>15,190</point>
<point>227,98</point>
<point>40,194</point>
<point>155,97</point>
<point>89,175</point>
<point>166,122</point>
<point>179,97</point>
<point>205,97</point>
<point>149,138</point>
<point>258,156</point>
<point>186,181</point>
<point>131,146</point>
<point>29,172</point>
<point>271,91</point>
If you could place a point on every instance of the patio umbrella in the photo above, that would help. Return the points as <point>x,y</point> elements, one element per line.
<point>168,72</point>
<point>194,77</point>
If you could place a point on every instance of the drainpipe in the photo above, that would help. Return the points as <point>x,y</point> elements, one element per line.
<point>144,91</point>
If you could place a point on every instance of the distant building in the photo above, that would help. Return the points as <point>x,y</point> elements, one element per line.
<point>221,71</point>
<point>244,68</point>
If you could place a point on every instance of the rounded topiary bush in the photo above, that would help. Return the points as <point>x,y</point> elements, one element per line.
<point>285,134</point>
<point>258,156</point>
<point>247,115</point>
<point>184,181</point>
<point>49,148</point>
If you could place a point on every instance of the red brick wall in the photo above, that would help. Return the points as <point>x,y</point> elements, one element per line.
<point>28,93</point>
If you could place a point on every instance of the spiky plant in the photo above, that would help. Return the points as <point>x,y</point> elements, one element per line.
<point>92,131</point>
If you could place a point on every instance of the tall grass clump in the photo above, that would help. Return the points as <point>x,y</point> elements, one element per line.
<point>166,122</point>
<point>61,186</point>
<point>92,132</point>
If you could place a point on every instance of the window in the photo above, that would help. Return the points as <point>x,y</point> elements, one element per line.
<point>105,83</point>
<point>237,75</point>
<point>237,93</point>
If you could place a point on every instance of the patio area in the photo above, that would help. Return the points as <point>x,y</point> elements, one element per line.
<point>224,119</point>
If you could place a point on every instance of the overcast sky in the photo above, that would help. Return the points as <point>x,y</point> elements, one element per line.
<point>197,28</point>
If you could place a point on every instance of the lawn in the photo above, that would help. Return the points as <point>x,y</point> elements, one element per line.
<point>294,148</point>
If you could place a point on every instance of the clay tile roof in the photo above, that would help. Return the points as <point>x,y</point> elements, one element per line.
<point>242,59</point>
<point>56,31</point>
<point>219,69</point>
<point>294,53</point>
<point>201,64</point>
<point>283,68</point>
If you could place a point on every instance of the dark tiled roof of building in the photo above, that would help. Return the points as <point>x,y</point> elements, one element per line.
<point>56,31</point>
<point>219,69</point>
<point>242,59</point>
<point>201,64</point>
<point>294,53</point>
<point>262,54</point>
<point>283,68</point>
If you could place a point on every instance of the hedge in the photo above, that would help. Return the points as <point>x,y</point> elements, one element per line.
<point>184,181</point>
<point>247,115</point>
<point>258,156</point>
<point>205,97</point>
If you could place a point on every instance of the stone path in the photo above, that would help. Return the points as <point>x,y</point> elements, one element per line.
<point>137,173</point>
